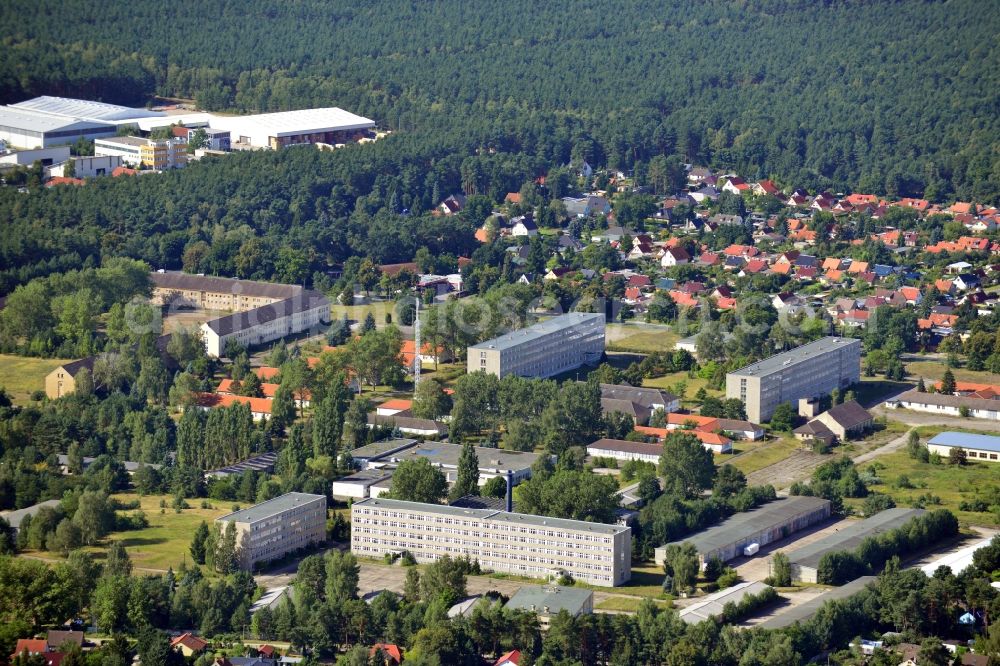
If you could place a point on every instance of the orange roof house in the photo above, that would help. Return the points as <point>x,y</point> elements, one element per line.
<point>266,372</point>
<point>510,658</point>
<point>189,644</point>
<point>391,652</point>
<point>513,197</point>
<point>831,263</point>
<point>857,267</point>
<point>697,421</point>
<point>31,646</point>
<point>259,407</point>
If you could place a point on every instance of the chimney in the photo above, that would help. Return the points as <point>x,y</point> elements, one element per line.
<point>509,505</point>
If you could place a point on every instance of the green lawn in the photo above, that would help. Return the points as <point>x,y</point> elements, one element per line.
<point>21,375</point>
<point>645,342</point>
<point>952,484</point>
<point>935,370</point>
<point>165,542</point>
<point>871,390</point>
<point>628,604</point>
<point>760,455</point>
<point>693,384</point>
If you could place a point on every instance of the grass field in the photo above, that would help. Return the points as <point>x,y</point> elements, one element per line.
<point>21,375</point>
<point>628,604</point>
<point>952,484</point>
<point>692,383</point>
<point>761,455</point>
<point>643,342</point>
<point>165,542</point>
<point>935,370</point>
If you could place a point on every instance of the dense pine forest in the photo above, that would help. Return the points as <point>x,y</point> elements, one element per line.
<point>895,97</point>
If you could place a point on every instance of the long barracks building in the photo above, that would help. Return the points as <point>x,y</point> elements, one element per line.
<point>514,543</point>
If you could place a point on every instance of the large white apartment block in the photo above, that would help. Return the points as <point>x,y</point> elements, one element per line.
<point>180,290</point>
<point>274,528</point>
<point>514,543</point>
<point>545,349</point>
<point>810,371</point>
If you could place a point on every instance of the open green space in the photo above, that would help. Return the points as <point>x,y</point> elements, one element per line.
<point>164,544</point>
<point>692,385</point>
<point>642,341</point>
<point>870,390</point>
<point>759,456</point>
<point>906,480</point>
<point>628,604</point>
<point>935,370</point>
<point>21,375</point>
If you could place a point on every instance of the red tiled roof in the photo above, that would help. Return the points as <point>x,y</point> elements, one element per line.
<point>123,171</point>
<point>31,645</point>
<point>390,649</point>
<point>214,400</point>
<point>190,641</point>
<point>396,403</point>
<point>266,372</point>
<point>62,180</point>
<point>512,657</point>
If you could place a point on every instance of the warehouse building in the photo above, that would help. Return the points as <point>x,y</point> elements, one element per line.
<point>976,447</point>
<point>362,485</point>
<point>805,560</point>
<point>761,526</point>
<point>948,405</point>
<point>289,128</point>
<point>810,371</point>
<point>272,529</point>
<point>806,611</point>
<point>262,463</point>
<point>713,605</point>
<point>545,349</point>
<point>514,543</point>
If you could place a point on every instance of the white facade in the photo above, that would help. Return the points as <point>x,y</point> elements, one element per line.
<point>272,529</point>
<point>46,156</point>
<point>519,544</point>
<point>256,327</point>
<point>87,167</point>
<point>648,453</point>
<point>545,349</point>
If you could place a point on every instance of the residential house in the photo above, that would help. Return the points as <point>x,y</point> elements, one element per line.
<point>188,644</point>
<point>766,187</point>
<point>453,204</point>
<point>674,256</point>
<point>736,185</point>
<point>523,226</point>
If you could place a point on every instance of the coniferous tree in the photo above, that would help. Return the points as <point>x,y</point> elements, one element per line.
<point>467,480</point>
<point>198,542</point>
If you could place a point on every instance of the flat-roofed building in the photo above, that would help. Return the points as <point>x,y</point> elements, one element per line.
<point>363,484</point>
<point>514,543</point>
<point>545,349</point>
<point>85,167</point>
<point>138,151</point>
<point>263,463</point>
<point>775,520</point>
<point>272,529</point>
<point>329,125</point>
<point>805,560</point>
<point>547,601</point>
<point>47,156</point>
<point>810,371</point>
<point>976,447</point>
<point>445,456</point>
<point>24,128</point>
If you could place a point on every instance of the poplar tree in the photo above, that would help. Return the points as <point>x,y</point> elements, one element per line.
<point>467,482</point>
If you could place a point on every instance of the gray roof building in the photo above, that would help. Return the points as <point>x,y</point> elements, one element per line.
<point>14,518</point>
<point>771,522</point>
<point>805,560</point>
<point>270,508</point>
<point>176,280</point>
<point>551,599</point>
<point>240,321</point>
<point>713,605</point>
<point>804,612</point>
<point>261,463</point>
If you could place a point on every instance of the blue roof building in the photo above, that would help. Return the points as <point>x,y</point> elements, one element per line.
<point>976,447</point>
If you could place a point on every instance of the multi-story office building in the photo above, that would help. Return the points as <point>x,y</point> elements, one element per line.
<point>545,349</point>
<point>137,151</point>
<point>515,543</point>
<point>809,371</point>
<point>272,529</point>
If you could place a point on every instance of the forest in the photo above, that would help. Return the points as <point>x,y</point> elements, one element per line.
<point>819,95</point>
